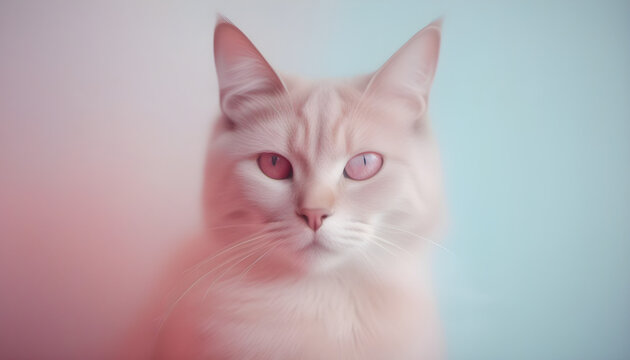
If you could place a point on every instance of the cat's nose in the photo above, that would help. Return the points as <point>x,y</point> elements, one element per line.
<point>314,217</point>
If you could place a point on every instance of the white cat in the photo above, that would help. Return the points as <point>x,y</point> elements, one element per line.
<point>320,199</point>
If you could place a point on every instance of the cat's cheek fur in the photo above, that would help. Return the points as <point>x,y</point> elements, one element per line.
<point>271,195</point>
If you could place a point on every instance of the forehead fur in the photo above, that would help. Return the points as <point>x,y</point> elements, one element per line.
<point>322,120</point>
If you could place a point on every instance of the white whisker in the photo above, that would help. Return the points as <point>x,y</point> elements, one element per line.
<point>377,243</point>
<point>251,253</point>
<point>234,226</point>
<point>257,235</point>
<point>387,227</point>
<point>391,244</point>
<point>202,277</point>
<point>258,259</point>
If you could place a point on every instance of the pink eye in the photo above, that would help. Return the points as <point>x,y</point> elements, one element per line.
<point>275,166</point>
<point>363,166</point>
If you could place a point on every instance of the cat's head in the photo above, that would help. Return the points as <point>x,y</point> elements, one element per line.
<point>323,173</point>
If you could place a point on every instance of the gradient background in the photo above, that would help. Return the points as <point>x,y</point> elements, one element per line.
<point>104,115</point>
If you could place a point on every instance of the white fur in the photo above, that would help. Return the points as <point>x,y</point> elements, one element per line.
<point>358,287</point>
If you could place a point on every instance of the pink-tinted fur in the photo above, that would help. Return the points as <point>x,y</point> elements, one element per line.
<point>264,284</point>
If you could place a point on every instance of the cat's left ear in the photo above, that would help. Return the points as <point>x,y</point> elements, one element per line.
<point>405,79</point>
<point>246,80</point>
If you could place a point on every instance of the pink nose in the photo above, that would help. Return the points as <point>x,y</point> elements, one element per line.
<point>314,217</point>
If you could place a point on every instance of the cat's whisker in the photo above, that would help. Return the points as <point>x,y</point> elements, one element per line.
<point>360,225</point>
<point>235,248</point>
<point>258,260</point>
<point>385,241</point>
<point>360,228</point>
<point>249,254</point>
<point>377,243</point>
<point>387,227</point>
<point>238,246</point>
<point>257,235</point>
<point>201,278</point>
<point>235,226</point>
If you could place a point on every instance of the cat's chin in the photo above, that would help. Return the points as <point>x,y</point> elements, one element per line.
<point>313,254</point>
<point>314,247</point>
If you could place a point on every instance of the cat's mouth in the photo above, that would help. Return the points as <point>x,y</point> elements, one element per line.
<point>313,245</point>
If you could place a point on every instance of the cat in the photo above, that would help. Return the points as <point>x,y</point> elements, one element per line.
<point>320,200</point>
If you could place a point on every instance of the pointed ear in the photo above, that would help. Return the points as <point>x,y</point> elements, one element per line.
<point>244,76</point>
<point>406,77</point>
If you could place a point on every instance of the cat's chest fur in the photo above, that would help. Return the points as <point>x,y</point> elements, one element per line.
<point>312,319</point>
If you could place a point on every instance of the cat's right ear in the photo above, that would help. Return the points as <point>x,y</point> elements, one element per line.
<point>246,80</point>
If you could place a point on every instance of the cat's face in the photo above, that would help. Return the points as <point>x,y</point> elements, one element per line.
<point>323,173</point>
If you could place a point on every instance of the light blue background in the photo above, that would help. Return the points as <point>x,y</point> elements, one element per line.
<point>531,105</point>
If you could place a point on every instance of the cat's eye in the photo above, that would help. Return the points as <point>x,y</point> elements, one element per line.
<point>363,166</point>
<point>275,166</point>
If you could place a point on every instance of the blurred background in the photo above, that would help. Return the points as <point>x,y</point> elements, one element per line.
<point>105,109</point>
